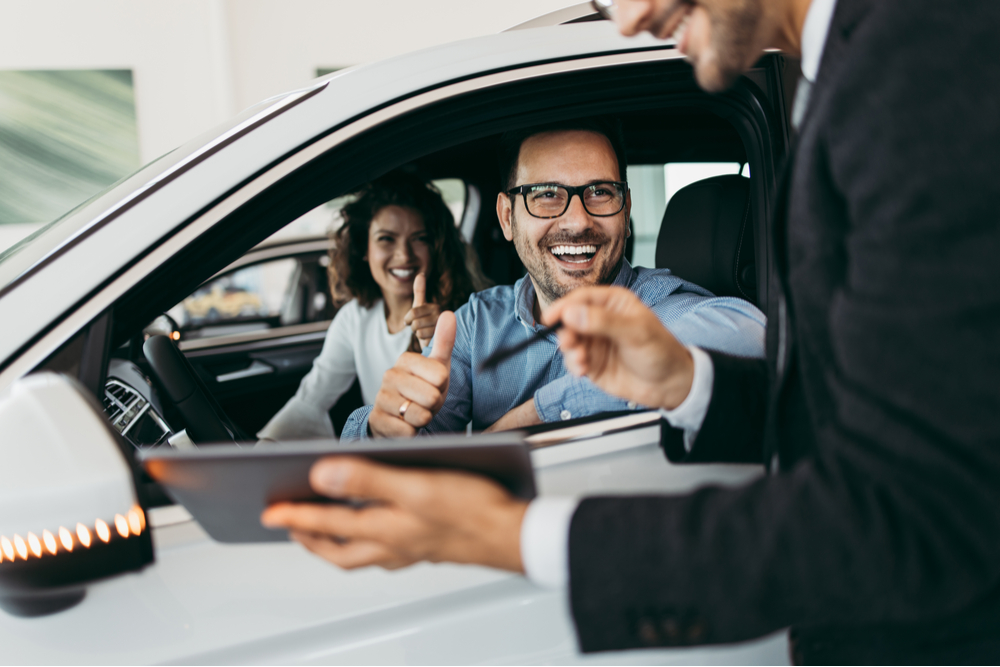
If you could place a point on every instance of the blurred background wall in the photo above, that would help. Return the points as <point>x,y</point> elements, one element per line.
<point>92,89</point>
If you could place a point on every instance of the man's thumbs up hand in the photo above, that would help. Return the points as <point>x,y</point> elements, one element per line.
<point>415,388</point>
<point>422,316</point>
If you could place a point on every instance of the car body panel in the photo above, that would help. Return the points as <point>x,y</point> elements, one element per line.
<point>205,602</point>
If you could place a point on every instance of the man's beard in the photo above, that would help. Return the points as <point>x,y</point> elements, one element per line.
<point>543,273</point>
<point>733,30</point>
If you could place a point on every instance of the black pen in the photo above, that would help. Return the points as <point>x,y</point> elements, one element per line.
<point>503,354</point>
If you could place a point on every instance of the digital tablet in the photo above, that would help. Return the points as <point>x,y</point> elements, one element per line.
<point>226,487</point>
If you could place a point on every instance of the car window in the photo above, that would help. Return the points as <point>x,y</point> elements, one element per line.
<point>324,219</point>
<point>652,186</point>
<point>282,292</point>
<point>258,297</point>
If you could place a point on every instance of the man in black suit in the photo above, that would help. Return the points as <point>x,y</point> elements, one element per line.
<point>877,535</point>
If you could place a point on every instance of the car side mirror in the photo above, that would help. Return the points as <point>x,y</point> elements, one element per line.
<point>69,512</point>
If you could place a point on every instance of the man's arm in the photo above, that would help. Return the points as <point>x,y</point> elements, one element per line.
<point>723,324</point>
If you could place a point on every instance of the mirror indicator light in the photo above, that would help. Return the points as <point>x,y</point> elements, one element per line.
<point>22,548</point>
<point>8,548</point>
<point>35,545</point>
<point>50,542</point>
<point>102,530</point>
<point>66,538</point>
<point>121,525</point>
<point>134,523</point>
<point>134,520</point>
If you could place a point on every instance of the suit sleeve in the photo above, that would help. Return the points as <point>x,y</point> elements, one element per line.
<point>733,429</point>
<point>894,521</point>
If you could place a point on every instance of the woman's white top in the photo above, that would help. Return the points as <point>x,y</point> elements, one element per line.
<point>357,345</point>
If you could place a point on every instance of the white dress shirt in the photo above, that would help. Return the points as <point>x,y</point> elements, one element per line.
<point>357,345</point>
<point>545,528</point>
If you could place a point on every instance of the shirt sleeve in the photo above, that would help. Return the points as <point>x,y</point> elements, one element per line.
<point>690,414</point>
<point>545,541</point>
<point>306,414</point>
<point>356,426</point>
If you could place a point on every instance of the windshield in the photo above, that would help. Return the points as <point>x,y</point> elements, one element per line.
<point>20,257</point>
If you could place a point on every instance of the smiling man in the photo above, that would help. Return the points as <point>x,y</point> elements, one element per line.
<point>565,206</point>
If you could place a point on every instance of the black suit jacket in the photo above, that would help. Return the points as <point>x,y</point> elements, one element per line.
<point>879,538</point>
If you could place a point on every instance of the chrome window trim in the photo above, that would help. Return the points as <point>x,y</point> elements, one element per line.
<point>274,252</point>
<point>562,16</point>
<point>473,205</point>
<point>71,324</point>
<point>297,333</point>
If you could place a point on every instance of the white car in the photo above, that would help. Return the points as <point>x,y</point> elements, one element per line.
<point>98,566</point>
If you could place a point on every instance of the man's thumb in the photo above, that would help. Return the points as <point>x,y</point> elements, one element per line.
<point>419,290</point>
<point>444,338</point>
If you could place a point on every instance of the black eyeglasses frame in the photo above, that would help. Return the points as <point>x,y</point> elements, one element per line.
<point>573,190</point>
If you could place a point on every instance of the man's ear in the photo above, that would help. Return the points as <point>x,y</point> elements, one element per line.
<point>504,212</point>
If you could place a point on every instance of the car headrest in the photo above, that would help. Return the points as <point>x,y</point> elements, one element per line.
<point>707,236</point>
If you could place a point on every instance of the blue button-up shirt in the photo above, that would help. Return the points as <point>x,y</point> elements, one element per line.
<point>503,316</point>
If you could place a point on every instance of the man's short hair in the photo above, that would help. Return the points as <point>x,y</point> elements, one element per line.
<point>510,143</point>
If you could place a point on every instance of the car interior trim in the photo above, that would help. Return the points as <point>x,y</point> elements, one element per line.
<point>296,333</point>
<point>104,297</point>
<point>255,256</point>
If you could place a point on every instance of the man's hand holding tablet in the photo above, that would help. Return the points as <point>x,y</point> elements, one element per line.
<point>415,515</point>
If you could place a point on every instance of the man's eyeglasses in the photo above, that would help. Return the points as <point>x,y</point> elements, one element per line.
<point>550,200</point>
<point>606,8</point>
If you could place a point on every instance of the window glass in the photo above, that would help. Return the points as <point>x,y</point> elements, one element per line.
<point>453,193</point>
<point>282,292</point>
<point>248,299</point>
<point>653,185</point>
<point>324,219</point>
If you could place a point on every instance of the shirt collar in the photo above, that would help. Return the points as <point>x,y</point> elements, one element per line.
<point>814,33</point>
<point>524,294</point>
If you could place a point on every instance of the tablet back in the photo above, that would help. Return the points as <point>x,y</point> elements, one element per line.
<point>226,487</point>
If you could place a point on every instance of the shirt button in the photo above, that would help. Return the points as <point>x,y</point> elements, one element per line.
<point>565,415</point>
<point>631,405</point>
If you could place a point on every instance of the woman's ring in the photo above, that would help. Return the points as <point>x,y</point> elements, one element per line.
<point>402,409</point>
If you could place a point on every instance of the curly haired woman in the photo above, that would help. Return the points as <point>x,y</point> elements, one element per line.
<point>396,263</point>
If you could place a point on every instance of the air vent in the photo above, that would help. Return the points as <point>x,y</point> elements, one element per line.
<point>123,404</point>
<point>132,415</point>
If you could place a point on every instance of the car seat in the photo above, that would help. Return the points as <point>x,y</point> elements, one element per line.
<point>707,236</point>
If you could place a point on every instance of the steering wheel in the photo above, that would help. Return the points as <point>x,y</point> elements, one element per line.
<point>206,421</point>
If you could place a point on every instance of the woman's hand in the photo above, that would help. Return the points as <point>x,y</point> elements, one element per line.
<point>615,340</point>
<point>422,317</point>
